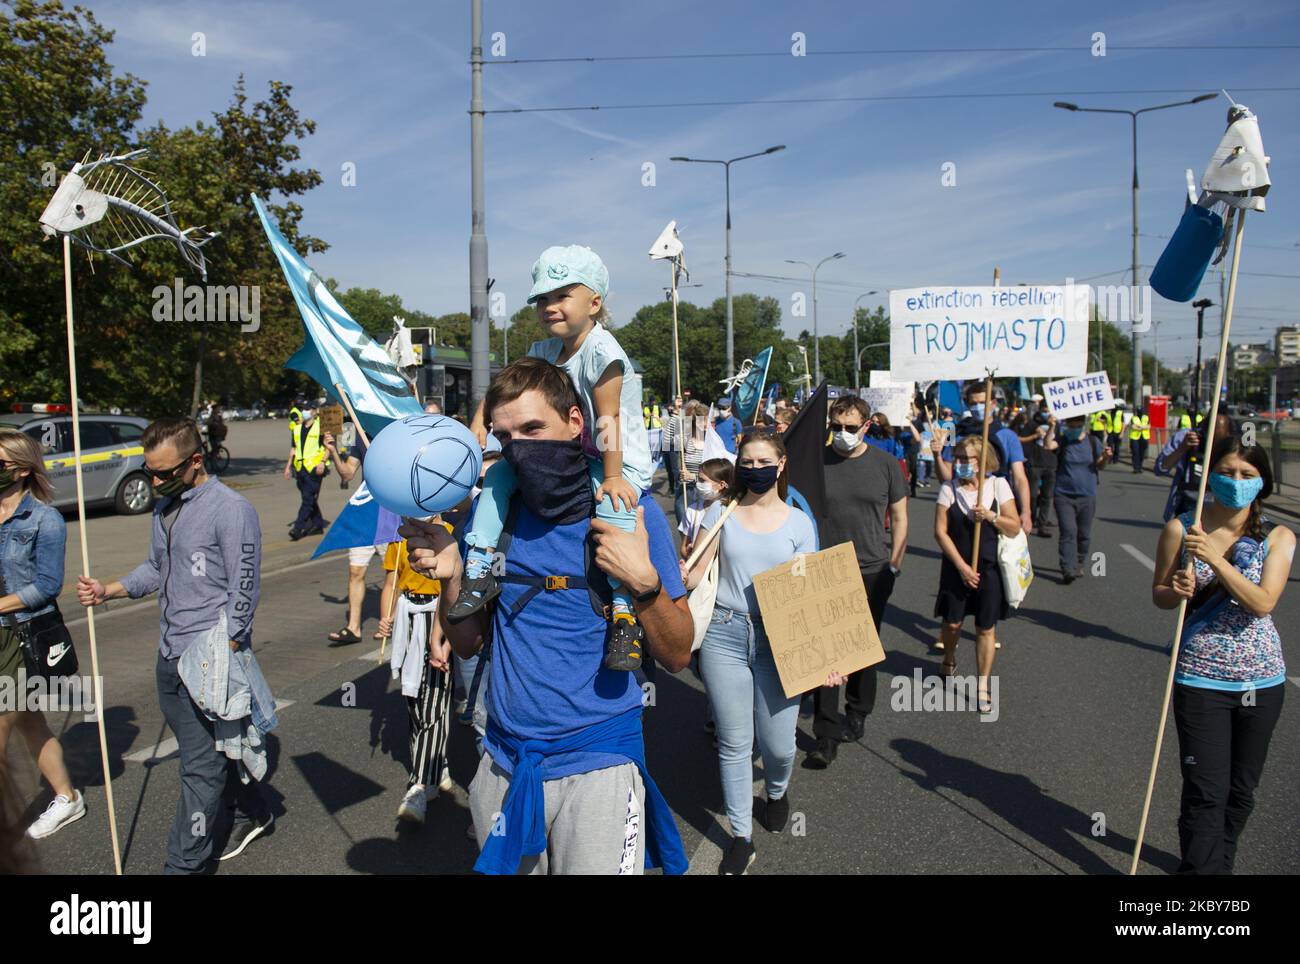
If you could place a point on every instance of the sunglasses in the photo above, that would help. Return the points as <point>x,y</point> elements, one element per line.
<point>167,474</point>
<point>840,427</point>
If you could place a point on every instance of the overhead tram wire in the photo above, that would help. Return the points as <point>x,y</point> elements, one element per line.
<point>886,51</point>
<point>780,101</point>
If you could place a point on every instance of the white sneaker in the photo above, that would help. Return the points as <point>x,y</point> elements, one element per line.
<point>413,805</point>
<point>58,814</point>
<point>446,783</point>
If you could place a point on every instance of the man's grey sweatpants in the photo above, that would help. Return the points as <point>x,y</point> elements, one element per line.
<point>593,820</point>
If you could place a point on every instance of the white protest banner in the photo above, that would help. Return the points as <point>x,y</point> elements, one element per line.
<point>879,379</point>
<point>963,332</point>
<point>892,400</point>
<point>1079,396</point>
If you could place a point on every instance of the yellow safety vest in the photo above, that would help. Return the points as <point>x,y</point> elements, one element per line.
<point>1100,422</point>
<point>651,414</point>
<point>1140,428</point>
<point>1185,421</point>
<point>1116,422</point>
<point>311,454</point>
<point>294,415</point>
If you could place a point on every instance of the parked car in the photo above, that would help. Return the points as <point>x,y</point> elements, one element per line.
<point>112,457</point>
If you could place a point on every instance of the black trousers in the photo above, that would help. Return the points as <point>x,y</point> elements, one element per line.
<point>1042,488</point>
<point>1222,743</point>
<point>860,690</point>
<point>309,516</point>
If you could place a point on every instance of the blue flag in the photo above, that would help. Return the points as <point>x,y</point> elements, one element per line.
<point>363,522</point>
<point>337,351</point>
<point>749,391</point>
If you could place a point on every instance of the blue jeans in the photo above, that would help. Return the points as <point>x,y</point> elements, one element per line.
<point>745,694</point>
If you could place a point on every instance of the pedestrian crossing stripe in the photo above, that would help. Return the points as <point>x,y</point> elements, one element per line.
<point>94,457</point>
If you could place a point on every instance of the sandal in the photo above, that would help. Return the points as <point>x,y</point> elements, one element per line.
<point>344,635</point>
<point>949,666</point>
<point>983,701</point>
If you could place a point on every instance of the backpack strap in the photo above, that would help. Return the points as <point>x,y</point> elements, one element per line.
<point>485,651</point>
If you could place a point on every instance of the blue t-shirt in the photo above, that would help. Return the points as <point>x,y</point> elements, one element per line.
<point>1011,449</point>
<point>1077,474</point>
<point>548,677</point>
<point>728,428</point>
<point>744,554</point>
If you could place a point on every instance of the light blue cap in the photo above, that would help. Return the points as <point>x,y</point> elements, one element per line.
<point>493,445</point>
<point>560,266</point>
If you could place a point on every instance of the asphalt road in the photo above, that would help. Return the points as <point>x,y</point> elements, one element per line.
<point>1054,785</point>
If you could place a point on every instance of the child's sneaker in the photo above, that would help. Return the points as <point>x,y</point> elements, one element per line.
<point>623,652</point>
<point>475,594</point>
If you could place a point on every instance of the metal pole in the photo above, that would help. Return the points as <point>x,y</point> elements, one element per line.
<point>817,341</point>
<point>857,370</point>
<point>1137,281</point>
<point>480,373</point>
<point>731,332</point>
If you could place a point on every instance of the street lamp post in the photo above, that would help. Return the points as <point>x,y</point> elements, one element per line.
<point>731,336</point>
<point>817,342</point>
<point>857,366</point>
<point>876,344</point>
<point>1133,115</point>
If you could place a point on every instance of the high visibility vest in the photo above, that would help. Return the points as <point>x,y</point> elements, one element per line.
<point>1140,428</point>
<point>1185,421</point>
<point>651,413</point>
<point>307,453</point>
<point>1099,422</point>
<point>294,415</point>
<point>1116,422</point>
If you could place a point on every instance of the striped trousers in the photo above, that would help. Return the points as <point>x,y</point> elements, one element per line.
<point>429,713</point>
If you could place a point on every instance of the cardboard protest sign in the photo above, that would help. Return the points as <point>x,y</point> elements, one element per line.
<point>331,420</point>
<point>817,618</point>
<point>1079,396</point>
<point>957,332</point>
<point>893,400</point>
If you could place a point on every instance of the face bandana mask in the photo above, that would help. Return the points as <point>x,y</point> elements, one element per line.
<point>1235,493</point>
<point>757,479</point>
<point>553,478</point>
<point>845,441</point>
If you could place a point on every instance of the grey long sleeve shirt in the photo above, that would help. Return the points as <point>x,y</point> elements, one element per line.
<point>205,557</point>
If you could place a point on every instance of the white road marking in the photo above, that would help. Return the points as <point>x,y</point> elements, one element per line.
<point>167,747</point>
<point>1140,556</point>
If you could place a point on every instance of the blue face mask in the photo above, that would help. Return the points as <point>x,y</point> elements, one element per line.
<point>977,411</point>
<point>1072,434</point>
<point>1235,493</point>
<point>964,470</point>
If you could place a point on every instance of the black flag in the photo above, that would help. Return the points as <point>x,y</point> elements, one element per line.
<point>805,448</point>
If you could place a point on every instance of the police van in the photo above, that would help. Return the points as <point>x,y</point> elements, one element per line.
<point>112,457</point>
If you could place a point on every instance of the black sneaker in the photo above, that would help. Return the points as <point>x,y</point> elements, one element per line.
<point>824,755</point>
<point>1069,577</point>
<point>854,725</point>
<point>474,595</point>
<point>244,833</point>
<point>777,814</point>
<point>740,857</point>
<point>295,535</point>
<point>623,651</point>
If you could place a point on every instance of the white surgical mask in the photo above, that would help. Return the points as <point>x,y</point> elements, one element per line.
<point>707,491</point>
<point>845,441</point>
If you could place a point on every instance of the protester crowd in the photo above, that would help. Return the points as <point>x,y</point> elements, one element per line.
<point>548,652</point>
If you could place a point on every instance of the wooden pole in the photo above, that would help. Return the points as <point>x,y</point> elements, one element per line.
<point>984,448</point>
<point>85,557</point>
<point>1211,424</point>
<point>710,536</point>
<point>355,421</point>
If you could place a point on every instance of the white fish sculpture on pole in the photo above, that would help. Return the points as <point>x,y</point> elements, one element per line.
<point>110,207</point>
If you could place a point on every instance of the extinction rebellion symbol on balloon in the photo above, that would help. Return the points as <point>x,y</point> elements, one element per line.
<point>430,478</point>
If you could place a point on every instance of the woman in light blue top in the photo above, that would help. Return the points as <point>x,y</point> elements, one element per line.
<point>740,674</point>
<point>1230,681</point>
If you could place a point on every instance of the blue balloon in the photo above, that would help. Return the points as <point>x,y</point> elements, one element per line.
<point>422,465</point>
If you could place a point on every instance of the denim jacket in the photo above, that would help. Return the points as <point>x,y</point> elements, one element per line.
<point>31,558</point>
<point>228,687</point>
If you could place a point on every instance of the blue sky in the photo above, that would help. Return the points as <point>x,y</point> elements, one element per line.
<point>1041,192</point>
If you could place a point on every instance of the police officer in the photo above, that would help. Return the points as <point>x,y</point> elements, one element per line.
<point>1139,437</point>
<point>306,465</point>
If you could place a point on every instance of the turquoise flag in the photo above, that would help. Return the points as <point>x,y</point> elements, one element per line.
<point>337,351</point>
<point>749,390</point>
